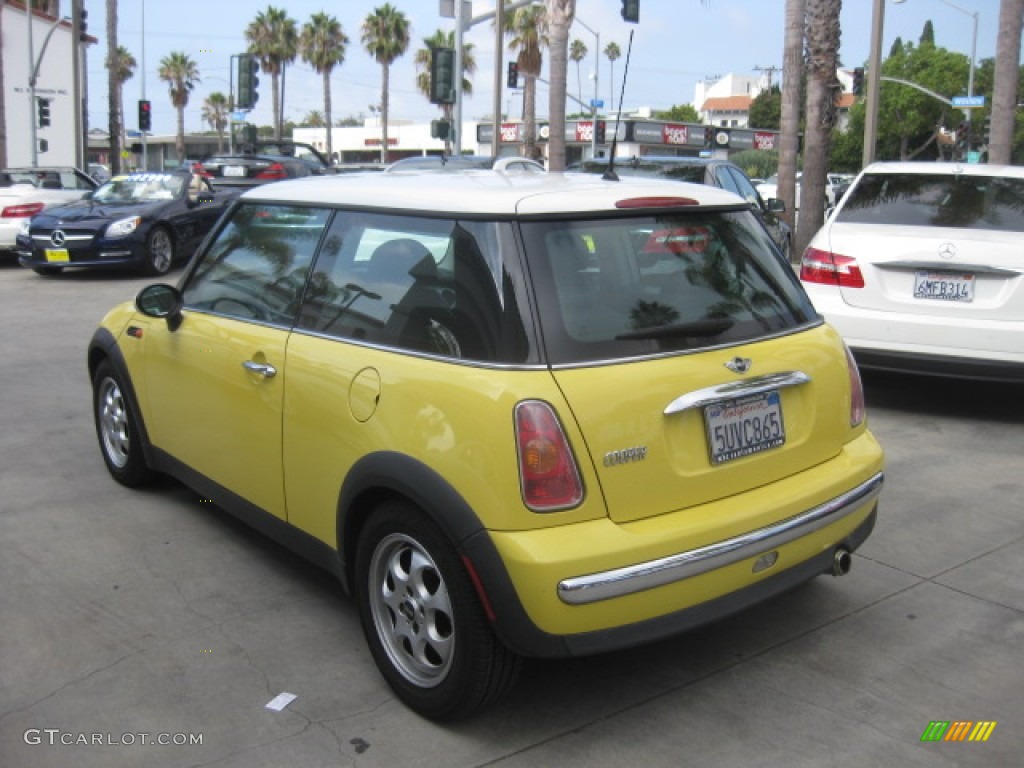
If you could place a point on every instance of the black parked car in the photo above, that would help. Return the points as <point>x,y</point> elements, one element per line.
<point>702,170</point>
<point>143,220</point>
<point>255,164</point>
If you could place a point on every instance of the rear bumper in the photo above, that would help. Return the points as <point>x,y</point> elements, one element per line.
<point>953,344</point>
<point>684,565</point>
<point>597,586</point>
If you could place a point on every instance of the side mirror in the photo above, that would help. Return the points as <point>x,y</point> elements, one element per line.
<point>161,300</point>
<point>775,205</point>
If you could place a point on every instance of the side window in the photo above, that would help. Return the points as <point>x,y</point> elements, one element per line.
<point>744,187</point>
<point>725,180</point>
<point>427,285</point>
<point>257,267</point>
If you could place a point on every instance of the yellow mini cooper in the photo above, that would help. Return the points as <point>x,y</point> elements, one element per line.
<point>517,415</point>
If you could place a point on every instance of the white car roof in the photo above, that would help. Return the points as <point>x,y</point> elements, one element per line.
<point>484,192</point>
<point>969,169</point>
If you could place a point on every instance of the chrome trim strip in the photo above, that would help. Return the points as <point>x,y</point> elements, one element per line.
<point>947,266</point>
<point>753,386</point>
<point>46,238</point>
<point>582,590</point>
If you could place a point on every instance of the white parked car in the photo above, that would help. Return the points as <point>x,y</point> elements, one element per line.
<point>24,192</point>
<point>921,269</point>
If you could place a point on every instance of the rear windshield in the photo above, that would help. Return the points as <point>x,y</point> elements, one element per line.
<point>936,200</point>
<point>614,288</point>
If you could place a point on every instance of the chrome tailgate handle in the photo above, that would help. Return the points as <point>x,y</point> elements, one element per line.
<point>754,386</point>
<point>261,369</point>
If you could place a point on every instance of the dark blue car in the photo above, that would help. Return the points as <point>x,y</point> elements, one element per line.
<point>146,221</point>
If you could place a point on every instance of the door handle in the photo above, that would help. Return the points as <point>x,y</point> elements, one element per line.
<point>262,369</point>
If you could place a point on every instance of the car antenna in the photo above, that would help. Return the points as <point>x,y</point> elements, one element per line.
<point>610,174</point>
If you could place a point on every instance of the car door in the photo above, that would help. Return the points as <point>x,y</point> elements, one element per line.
<point>215,385</point>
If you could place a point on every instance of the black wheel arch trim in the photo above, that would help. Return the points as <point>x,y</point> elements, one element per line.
<point>389,472</point>
<point>103,346</point>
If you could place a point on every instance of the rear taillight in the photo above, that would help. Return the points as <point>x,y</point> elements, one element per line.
<point>857,407</point>
<point>830,269</point>
<point>273,171</point>
<point>548,473</point>
<point>21,211</point>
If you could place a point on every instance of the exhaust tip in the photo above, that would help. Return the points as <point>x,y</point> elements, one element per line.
<point>842,561</point>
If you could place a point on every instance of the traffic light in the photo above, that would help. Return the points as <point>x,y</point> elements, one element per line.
<point>440,129</point>
<point>248,83</point>
<point>145,115</point>
<point>83,24</point>
<point>858,81</point>
<point>43,107</point>
<point>442,75</point>
<point>961,135</point>
<point>631,11</point>
<point>513,75</point>
<point>600,131</point>
<point>709,136</point>
<point>988,129</point>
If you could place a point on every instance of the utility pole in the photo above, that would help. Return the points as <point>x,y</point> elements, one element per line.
<point>770,70</point>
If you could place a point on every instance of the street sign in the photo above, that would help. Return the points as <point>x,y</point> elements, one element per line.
<point>967,101</point>
<point>597,103</point>
<point>238,117</point>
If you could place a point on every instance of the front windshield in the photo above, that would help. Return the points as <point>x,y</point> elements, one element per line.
<point>140,188</point>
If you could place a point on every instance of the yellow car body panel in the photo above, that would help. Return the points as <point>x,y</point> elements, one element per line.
<point>675,471</point>
<point>538,560</point>
<point>344,401</point>
<point>206,410</point>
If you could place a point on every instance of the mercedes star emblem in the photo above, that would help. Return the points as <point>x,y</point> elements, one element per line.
<point>739,364</point>
<point>947,251</point>
<point>58,238</point>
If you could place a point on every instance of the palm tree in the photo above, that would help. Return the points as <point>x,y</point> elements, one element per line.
<point>822,45</point>
<point>560,14</point>
<point>114,115</point>
<point>215,113</point>
<point>181,75</point>
<point>442,39</point>
<point>612,51</point>
<point>577,53</point>
<point>527,30</point>
<point>322,45</point>
<point>124,68</point>
<point>1004,87</point>
<point>385,37</point>
<point>789,135</point>
<point>272,37</point>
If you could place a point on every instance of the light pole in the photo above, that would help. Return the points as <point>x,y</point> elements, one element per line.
<point>874,75</point>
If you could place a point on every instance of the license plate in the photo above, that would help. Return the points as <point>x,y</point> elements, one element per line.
<point>744,426</point>
<point>57,255</point>
<point>234,170</point>
<point>944,286</point>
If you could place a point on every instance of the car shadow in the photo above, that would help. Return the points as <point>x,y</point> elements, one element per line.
<point>926,395</point>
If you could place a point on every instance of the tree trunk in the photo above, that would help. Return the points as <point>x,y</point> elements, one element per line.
<point>560,17</point>
<point>179,143</point>
<point>789,136</point>
<point>1004,90</point>
<point>275,94</point>
<point>327,114</point>
<point>385,77</point>
<point>114,120</point>
<point>530,117</point>
<point>822,92</point>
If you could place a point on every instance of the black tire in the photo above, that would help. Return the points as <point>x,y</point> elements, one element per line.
<point>116,428</point>
<point>159,251</point>
<point>48,271</point>
<point>423,620</point>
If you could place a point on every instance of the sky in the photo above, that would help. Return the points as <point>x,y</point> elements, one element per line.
<point>676,44</point>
